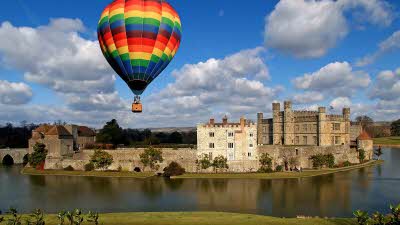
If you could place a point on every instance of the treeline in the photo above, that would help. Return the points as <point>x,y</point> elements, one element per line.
<point>112,133</point>
<point>16,137</point>
<point>377,130</point>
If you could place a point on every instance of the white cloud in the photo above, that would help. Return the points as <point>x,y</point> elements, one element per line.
<point>392,43</point>
<point>14,93</point>
<point>56,55</point>
<point>387,86</point>
<point>340,103</point>
<point>309,28</point>
<point>337,79</point>
<point>308,97</point>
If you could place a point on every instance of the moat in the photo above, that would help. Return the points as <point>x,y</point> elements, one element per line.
<point>334,195</point>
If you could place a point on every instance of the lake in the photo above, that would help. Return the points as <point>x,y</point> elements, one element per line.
<point>335,195</point>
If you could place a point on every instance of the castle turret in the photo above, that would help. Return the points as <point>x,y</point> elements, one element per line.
<point>346,117</point>
<point>260,117</point>
<point>288,124</point>
<point>277,121</point>
<point>225,120</point>
<point>323,137</point>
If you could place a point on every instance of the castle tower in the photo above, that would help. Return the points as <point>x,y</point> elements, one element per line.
<point>277,124</point>
<point>260,117</point>
<point>346,117</point>
<point>323,136</point>
<point>288,124</point>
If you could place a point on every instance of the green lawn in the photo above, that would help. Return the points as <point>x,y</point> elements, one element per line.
<point>278,175</point>
<point>204,218</point>
<point>387,141</point>
<point>32,171</point>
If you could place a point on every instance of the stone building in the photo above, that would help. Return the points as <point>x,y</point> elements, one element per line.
<point>234,141</point>
<point>303,128</point>
<point>62,140</point>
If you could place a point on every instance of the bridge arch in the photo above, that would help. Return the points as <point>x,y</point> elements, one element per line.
<point>25,160</point>
<point>8,160</point>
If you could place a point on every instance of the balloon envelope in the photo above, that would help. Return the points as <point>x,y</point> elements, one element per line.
<point>139,38</point>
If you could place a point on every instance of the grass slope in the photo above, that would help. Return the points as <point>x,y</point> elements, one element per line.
<point>204,218</point>
<point>278,175</point>
<point>32,171</point>
<point>387,141</point>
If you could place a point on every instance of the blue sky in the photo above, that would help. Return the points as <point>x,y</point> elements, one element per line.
<point>301,49</point>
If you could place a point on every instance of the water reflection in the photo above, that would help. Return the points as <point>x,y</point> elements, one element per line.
<point>331,195</point>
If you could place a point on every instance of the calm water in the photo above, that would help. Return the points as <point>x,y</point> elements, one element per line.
<point>336,195</point>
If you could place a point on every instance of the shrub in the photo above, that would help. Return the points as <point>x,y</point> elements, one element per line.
<point>329,160</point>
<point>220,162</point>
<point>265,170</point>
<point>119,168</point>
<point>173,169</point>
<point>204,162</point>
<point>38,156</point>
<point>89,167</point>
<point>151,157</point>
<point>279,168</point>
<point>69,168</point>
<point>101,159</point>
<point>323,160</point>
<point>347,164</point>
<point>361,155</point>
<point>363,218</point>
<point>266,163</point>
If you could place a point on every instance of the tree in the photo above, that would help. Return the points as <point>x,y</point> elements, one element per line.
<point>101,159</point>
<point>151,157</point>
<point>204,162</point>
<point>378,152</point>
<point>173,169</point>
<point>38,156</point>
<point>364,121</point>
<point>266,163</point>
<point>361,155</point>
<point>220,162</point>
<point>111,133</point>
<point>175,138</point>
<point>395,128</point>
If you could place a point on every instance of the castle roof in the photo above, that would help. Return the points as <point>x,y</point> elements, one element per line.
<point>364,136</point>
<point>84,131</point>
<point>58,130</point>
<point>43,128</point>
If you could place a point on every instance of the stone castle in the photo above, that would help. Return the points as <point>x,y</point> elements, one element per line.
<point>290,138</point>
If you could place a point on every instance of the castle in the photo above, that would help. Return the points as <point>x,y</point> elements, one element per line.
<point>289,136</point>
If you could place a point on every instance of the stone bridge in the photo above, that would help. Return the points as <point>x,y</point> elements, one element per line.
<point>13,156</point>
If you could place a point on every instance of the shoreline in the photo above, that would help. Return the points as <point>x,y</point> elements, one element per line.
<point>104,174</point>
<point>203,218</point>
<point>387,145</point>
<point>277,175</point>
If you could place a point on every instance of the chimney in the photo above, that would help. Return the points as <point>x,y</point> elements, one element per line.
<point>212,121</point>
<point>242,122</point>
<point>225,120</point>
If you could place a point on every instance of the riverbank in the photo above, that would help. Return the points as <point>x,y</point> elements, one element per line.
<point>204,218</point>
<point>387,142</point>
<point>277,175</point>
<point>34,172</point>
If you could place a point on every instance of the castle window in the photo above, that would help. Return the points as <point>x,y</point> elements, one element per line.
<point>297,140</point>
<point>297,152</point>
<point>297,127</point>
<point>249,154</point>
<point>265,129</point>
<point>336,126</point>
<point>210,155</point>
<point>250,145</point>
<point>305,140</point>
<point>315,127</point>
<point>211,145</point>
<point>337,140</point>
<point>251,134</point>
<point>304,127</point>
<point>315,140</point>
<point>211,134</point>
<point>230,134</point>
<point>231,156</point>
<point>230,145</point>
<point>265,140</point>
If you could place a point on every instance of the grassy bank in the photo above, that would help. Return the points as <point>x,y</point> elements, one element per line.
<point>387,141</point>
<point>32,171</point>
<point>204,218</point>
<point>278,175</point>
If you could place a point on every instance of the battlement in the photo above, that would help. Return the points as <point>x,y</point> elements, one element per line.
<point>334,117</point>
<point>301,113</point>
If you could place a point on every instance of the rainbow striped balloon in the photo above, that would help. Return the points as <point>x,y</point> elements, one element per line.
<point>139,38</point>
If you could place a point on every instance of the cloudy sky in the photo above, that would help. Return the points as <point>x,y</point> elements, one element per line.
<point>236,58</point>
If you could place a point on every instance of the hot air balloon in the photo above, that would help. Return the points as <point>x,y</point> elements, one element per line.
<point>139,38</point>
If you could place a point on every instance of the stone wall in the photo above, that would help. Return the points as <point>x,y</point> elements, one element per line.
<point>16,154</point>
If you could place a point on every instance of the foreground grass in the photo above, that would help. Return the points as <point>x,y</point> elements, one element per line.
<point>278,175</point>
<point>387,141</point>
<point>204,218</point>
<point>32,171</point>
